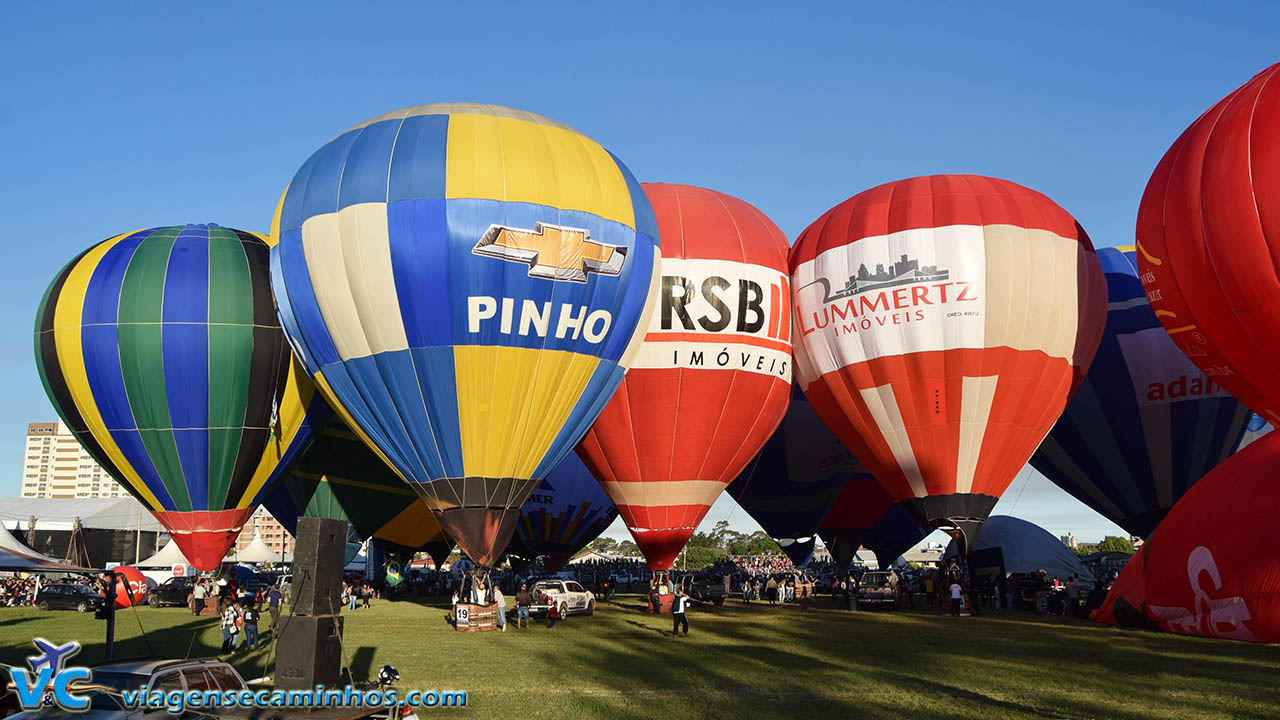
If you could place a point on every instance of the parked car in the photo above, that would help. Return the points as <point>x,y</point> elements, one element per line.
<point>173,591</point>
<point>62,596</point>
<point>875,588</point>
<point>704,588</point>
<point>163,675</point>
<point>567,595</point>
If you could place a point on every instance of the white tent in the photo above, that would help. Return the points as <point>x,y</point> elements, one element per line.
<point>255,552</point>
<point>1027,547</point>
<point>14,556</point>
<point>168,556</point>
<point>122,513</point>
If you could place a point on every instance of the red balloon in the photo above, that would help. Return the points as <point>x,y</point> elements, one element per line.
<point>1208,237</point>
<point>131,589</point>
<point>941,325</point>
<point>712,378</point>
<point>1201,571</point>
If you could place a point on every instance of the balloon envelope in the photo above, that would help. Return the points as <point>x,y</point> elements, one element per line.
<point>1208,247</point>
<point>160,349</point>
<point>712,377</point>
<point>464,283</point>
<point>1146,424</point>
<point>942,324</point>
<point>566,512</point>
<point>893,534</point>
<point>1202,571</point>
<point>790,486</point>
<point>340,478</point>
<point>131,586</point>
<point>857,509</point>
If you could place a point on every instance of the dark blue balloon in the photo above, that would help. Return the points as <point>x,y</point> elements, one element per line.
<point>790,486</point>
<point>567,511</point>
<point>1146,424</point>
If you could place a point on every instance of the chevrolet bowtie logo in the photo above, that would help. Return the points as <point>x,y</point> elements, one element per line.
<point>552,252</point>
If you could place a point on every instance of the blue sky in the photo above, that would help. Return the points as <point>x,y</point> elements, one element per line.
<point>115,117</point>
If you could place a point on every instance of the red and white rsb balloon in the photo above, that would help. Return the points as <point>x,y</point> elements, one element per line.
<point>712,378</point>
<point>942,323</point>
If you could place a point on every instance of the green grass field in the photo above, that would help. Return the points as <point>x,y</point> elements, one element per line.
<point>748,662</point>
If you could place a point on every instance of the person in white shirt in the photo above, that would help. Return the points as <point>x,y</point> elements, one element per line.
<point>955,598</point>
<point>502,607</point>
<point>679,604</point>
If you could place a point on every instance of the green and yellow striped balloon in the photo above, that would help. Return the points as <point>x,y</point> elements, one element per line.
<point>162,352</point>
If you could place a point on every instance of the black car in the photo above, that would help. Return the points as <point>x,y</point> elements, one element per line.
<point>80,598</point>
<point>173,591</point>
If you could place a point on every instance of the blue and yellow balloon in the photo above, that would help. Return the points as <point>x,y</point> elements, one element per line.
<point>464,283</point>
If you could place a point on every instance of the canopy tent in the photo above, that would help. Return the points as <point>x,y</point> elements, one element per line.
<point>14,556</point>
<point>122,513</point>
<point>168,556</point>
<point>255,552</point>
<point>1026,548</point>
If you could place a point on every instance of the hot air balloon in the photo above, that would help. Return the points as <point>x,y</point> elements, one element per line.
<point>464,283</point>
<point>1146,424</point>
<point>339,477</point>
<point>861,504</point>
<point>160,349</point>
<point>893,534</point>
<point>566,511</point>
<point>1207,245</point>
<point>789,487</point>
<point>943,323</point>
<point>711,380</point>
<point>1207,570</point>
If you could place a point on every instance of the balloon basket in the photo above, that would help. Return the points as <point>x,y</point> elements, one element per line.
<point>473,617</point>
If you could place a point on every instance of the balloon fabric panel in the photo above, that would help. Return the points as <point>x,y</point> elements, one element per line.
<point>462,282</point>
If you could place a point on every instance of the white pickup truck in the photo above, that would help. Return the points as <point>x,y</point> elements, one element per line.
<point>567,595</point>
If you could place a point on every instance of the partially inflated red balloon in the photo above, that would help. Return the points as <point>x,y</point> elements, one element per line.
<point>711,380</point>
<point>1209,242</point>
<point>131,586</point>
<point>1202,571</point>
<point>942,324</point>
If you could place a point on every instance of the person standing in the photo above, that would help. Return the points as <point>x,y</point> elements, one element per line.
<point>197,597</point>
<point>251,626</point>
<point>747,590</point>
<point>229,628</point>
<point>502,607</point>
<point>679,604</point>
<point>851,592</point>
<point>955,598</point>
<point>273,605</point>
<point>524,601</point>
<point>804,597</point>
<point>771,590</point>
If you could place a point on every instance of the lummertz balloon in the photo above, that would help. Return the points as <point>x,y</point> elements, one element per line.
<point>464,283</point>
<point>1208,247</point>
<point>1146,424</point>
<point>339,477</point>
<point>712,378</point>
<point>943,322</point>
<point>160,349</point>
<point>566,512</point>
<point>789,487</point>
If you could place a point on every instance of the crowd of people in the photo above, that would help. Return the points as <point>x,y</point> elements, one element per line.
<point>17,591</point>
